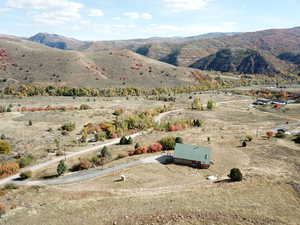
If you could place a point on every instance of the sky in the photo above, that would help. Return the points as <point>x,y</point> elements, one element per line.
<point>128,19</point>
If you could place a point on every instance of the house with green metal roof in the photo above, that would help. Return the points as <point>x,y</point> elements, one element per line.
<point>196,156</point>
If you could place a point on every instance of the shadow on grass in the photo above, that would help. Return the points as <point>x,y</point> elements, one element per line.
<point>48,177</point>
<point>165,159</point>
<point>227,180</point>
<point>118,180</point>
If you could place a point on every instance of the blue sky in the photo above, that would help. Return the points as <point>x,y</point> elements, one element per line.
<point>126,19</point>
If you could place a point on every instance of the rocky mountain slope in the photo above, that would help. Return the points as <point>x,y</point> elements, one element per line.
<point>243,61</point>
<point>270,43</point>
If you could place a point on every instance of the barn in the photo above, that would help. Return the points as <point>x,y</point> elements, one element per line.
<point>195,156</point>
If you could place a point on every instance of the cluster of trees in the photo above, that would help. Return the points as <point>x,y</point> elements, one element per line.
<point>4,108</point>
<point>5,147</point>
<point>163,98</point>
<point>68,127</point>
<point>100,159</point>
<point>168,143</point>
<point>126,141</point>
<point>54,108</point>
<point>123,126</point>
<point>197,105</point>
<point>204,85</point>
<point>178,125</point>
<point>26,90</point>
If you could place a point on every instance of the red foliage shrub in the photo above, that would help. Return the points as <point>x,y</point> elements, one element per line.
<point>9,168</point>
<point>48,108</point>
<point>175,128</point>
<point>2,208</point>
<point>85,164</point>
<point>270,134</point>
<point>156,147</point>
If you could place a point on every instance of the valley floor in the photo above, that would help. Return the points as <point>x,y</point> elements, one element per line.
<point>155,193</point>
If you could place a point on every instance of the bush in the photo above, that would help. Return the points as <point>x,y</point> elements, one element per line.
<point>141,150</point>
<point>105,153</point>
<point>10,187</point>
<point>210,105</point>
<point>137,145</point>
<point>3,137</point>
<point>84,107</point>
<point>30,123</point>
<point>179,140</point>
<point>129,141</point>
<point>125,141</point>
<point>249,138</point>
<point>168,143</point>
<point>280,134</point>
<point>297,140</point>
<point>8,169</point>
<point>235,175</point>
<point>2,209</point>
<point>26,161</point>
<point>156,147</point>
<point>100,136</point>
<point>270,134</point>
<point>5,148</point>
<point>197,123</point>
<point>68,127</point>
<point>196,105</point>
<point>118,112</point>
<point>61,168</point>
<point>26,175</point>
<point>85,164</point>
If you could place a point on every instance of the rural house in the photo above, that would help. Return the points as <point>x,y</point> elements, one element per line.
<point>191,155</point>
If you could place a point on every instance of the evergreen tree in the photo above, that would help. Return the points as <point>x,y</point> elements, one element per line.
<point>61,168</point>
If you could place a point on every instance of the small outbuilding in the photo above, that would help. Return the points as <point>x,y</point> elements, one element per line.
<point>195,156</point>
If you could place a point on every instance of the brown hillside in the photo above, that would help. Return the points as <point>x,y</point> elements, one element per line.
<point>26,62</point>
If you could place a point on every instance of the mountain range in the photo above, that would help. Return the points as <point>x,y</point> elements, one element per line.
<point>54,59</point>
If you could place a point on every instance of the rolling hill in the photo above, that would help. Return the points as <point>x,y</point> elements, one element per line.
<point>26,62</point>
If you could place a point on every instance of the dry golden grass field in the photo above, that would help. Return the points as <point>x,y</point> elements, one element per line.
<point>155,193</point>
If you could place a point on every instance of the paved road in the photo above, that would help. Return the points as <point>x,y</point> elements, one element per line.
<point>87,174</point>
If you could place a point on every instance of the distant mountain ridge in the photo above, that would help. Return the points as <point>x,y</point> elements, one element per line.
<point>272,52</point>
<point>66,43</point>
<point>59,41</point>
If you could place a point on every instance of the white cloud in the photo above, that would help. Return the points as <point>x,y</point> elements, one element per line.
<point>146,16</point>
<point>136,15</point>
<point>50,12</point>
<point>96,12</point>
<point>181,5</point>
<point>4,10</point>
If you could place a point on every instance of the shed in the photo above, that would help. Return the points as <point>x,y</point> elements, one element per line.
<point>196,156</point>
